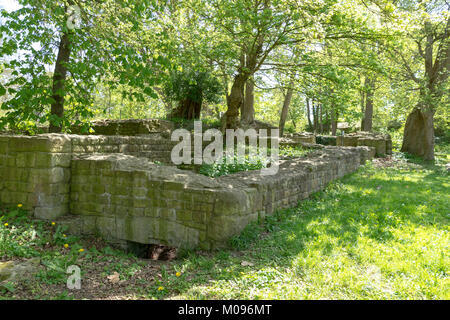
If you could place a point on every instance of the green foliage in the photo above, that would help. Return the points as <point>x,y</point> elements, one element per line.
<point>192,85</point>
<point>292,152</point>
<point>28,36</point>
<point>232,164</point>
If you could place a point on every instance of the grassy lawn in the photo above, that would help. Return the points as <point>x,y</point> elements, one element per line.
<point>381,233</point>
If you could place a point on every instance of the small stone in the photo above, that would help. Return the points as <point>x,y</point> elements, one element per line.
<point>12,271</point>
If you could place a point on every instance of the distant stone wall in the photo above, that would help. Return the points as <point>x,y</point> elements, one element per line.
<point>130,127</point>
<point>381,142</point>
<point>154,148</point>
<point>326,140</point>
<point>293,138</point>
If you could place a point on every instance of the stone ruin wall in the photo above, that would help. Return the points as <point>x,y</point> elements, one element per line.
<point>107,185</point>
<point>123,197</point>
<point>382,143</point>
<point>35,171</point>
<point>127,198</point>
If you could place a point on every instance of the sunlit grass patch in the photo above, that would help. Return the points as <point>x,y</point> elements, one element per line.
<point>377,234</point>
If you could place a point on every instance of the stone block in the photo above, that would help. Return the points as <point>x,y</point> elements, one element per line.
<point>51,213</point>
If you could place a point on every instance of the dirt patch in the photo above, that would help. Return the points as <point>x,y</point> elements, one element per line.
<point>160,252</point>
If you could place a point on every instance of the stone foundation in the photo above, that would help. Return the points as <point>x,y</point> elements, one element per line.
<point>109,186</point>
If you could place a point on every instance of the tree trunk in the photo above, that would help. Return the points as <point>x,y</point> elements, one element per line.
<point>321,119</point>
<point>363,102</point>
<point>59,84</point>
<point>187,109</point>
<point>284,111</point>
<point>418,137</point>
<point>308,113</point>
<point>334,118</point>
<point>248,110</point>
<point>314,111</point>
<point>234,101</point>
<point>327,121</point>
<point>368,112</point>
<point>293,120</point>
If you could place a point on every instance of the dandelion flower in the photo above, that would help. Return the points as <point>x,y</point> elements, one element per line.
<point>19,205</point>
<point>178,274</point>
<point>81,250</point>
<point>160,288</point>
<point>66,245</point>
<point>53,223</point>
<point>6,224</point>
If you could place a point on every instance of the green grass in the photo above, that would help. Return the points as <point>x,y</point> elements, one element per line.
<point>377,234</point>
<point>380,233</point>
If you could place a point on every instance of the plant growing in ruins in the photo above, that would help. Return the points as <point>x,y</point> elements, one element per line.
<point>190,89</point>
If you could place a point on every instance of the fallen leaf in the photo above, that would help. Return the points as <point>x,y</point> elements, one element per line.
<point>114,278</point>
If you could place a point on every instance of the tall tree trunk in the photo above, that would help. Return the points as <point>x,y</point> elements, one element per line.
<point>285,109</point>
<point>248,110</point>
<point>334,118</point>
<point>314,110</point>
<point>187,109</point>
<point>327,121</point>
<point>363,102</point>
<point>418,137</point>
<point>308,113</point>
<point>59,84</point>
<point>321,119</point>
<point>368,112</point>
<point>292,120</point>
<point>234,101</point>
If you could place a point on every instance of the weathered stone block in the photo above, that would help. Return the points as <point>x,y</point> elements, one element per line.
<point>51,213</point>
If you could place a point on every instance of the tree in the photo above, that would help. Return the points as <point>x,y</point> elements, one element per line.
<point>248,109</point>
<point>38,38</point>
<point>191,88</point>
<point>426,39</point>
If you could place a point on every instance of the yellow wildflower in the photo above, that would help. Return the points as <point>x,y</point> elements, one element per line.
<point>53,223</point>
<point>160,288</point>
<point>66,245</point>
<point>19,205</point>
<point>6,224</point>
<point>178,274</point>
<point>64,236</point>
<point>81,250</point>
